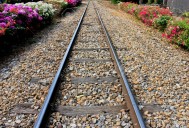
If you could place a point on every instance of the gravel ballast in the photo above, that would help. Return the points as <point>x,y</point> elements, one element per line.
<point>85,98</point>
<point>157,71</point>
<point>27,77</point>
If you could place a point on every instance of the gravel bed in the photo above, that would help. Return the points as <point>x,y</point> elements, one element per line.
<point>93,54</point>
<point>27,77</point>
<point>118,120</point>
<point>158,71</point>
<point>91,94</point>
<point>94,69</point>
<point>90,36</point>
<point>90,43</point>
<point>84,94</point>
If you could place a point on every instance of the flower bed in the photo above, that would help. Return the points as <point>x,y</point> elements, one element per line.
<point>65,3</point>
<point>17,19</point>
<point>175,30</point>
<point>45,10</point>
<point>73,3</point>
<point>21,19</point>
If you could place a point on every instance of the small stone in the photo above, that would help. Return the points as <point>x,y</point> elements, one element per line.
<point>94,120</point>
<point>101,101</point>
<point>6,76</point>
<point>109,120</point>
<point>18,121</point>
<point>123,123</point>
<point>73,125</point>
<point>118,123</point>
<point>114,72</point>
<point>34,80</point>
<point>59,125</point>
<point>71,68</point>
<point>146,113</point>
<point>84,119</point>
<point>44,82</point>
<point>4,118</point>
<point>106,122</point>
<point>9,121</point>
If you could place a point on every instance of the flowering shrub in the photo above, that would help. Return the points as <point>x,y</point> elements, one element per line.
<point>64,5</point>
<point>73,2</point>
<point>147,14</point>
<point>45,10</point>
<point>172,33</point>
<point>186,14</point>
<point>176,31</point>
<point>162,22</point>
<point>15,17</point>
<point>6,22</point>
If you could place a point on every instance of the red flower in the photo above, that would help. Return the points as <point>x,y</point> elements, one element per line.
<point>2,31</point>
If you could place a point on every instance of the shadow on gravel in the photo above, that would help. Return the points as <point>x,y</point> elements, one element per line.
<point>14,46</point>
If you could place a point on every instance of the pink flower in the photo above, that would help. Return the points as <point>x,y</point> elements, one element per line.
<point>164,35</point>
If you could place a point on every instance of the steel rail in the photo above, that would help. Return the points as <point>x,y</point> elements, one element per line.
<point>123,77</point>
<point>40,122</point>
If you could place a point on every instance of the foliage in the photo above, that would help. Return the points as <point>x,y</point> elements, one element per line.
<point>186,14</point>
<point>184,36</point>
<point>147,14</point>
<point>14,17</point>
<point>115,1</point>
<point>150,1</point>
<point>159,1</point>
<point>155,1</point>
<point>19,1</point>
<point>161,22</point>
<point>73,3</point>
<point>18,19</point>
<point>45,10</point>
<point>178,32</point>
<point>64,5</point>
<point>175,30</point>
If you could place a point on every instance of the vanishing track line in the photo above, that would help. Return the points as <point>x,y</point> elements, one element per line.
<point>90,88</point>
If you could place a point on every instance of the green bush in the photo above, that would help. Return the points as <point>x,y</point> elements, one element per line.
<point>161,22</point>
<point>150,1</point>
<point>64,5</point>
<point>184,36</point>
<point>186,14</point>
<point>115,1</point>
<point>159,1</point>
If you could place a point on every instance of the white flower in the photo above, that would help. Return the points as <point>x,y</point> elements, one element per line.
<point>45,10</point>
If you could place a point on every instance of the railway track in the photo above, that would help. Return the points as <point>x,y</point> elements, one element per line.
<point>90,88</point>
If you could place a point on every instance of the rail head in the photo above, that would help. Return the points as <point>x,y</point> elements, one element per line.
<point>43,114</point>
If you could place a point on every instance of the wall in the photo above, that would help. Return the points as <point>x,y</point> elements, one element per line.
<point>178,6</point>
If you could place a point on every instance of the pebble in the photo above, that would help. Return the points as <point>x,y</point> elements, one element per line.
<point>86,94</point>
<point>118,123</point>
<point>123,123</point>
<point>33,67</point>
<point>94,120</point>
<point>73,125</point>
<point>18,121</point>
<point>156,69</point>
